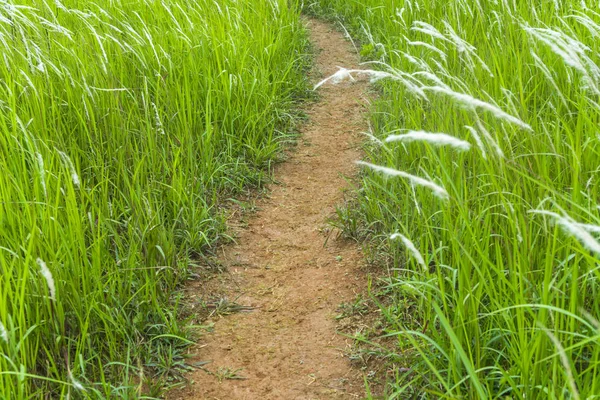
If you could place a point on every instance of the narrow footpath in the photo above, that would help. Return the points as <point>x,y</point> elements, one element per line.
<point>285,345</point>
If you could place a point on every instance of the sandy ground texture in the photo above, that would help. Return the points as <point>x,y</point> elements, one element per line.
<point>284,269</point>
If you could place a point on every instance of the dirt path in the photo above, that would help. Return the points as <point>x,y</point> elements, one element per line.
<point>287,347</point>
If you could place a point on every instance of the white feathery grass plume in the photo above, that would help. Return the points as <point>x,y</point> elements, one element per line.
<point>415,61</point>
<point>427,46</point>
<point>109,89</point>
<point>408,80</point>
<point>133,34</point>
<point>411,83</point>
<point>415,180</point>
<point>588,23</point>
<point>87,89</point>
<point>5,20</point>
<point>372,137</point>
<point>473,103</point>
<point>85,107</point>
<point>168,10</point>
<point>149,37</point>
<point>341,75</point>
<point>413,88</point>
<point>48,276</point>
<point>30,83</point>
<point>411,248</point>
<point>3,333</point>
<point>432,77</point>
<point>508,8</point>
<point>159,125</point>
<point>99,39</point>
<point>349,37</point>
<point>454,79</point>
<point>573,228</point>
<point>442,70</point>
<point>589,181</point>
<point>467,7</point>
<point>185,13</point>
<point>490,139</point>
<point>564,360</point>
<point>461,44</point>
<point>400,15</point>
<point>42,171</point>
<point>67,160</point>
<point>436,139</point>
<point>572,51</point>
<point>536,17</point>
<point>55,27</point>
<point>218,7</point>
<point>466,49</point>
<point>7,63</point>
<point>135,53</point>
<point>567,48</point>
<point>414,193</point>
<point>589,227</point>
<point>477,138</point>
<point>60,5</point>
<point>430,30</point>
<point>76,384</point>
<point>509,207</point>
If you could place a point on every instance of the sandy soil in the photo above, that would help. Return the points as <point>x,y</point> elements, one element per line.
<point>286,346</point>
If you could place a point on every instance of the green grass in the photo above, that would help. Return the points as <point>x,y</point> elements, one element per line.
<point>122,125</point>
<point>505,302</point>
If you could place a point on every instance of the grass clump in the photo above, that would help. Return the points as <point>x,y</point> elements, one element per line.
<point>121,126</point>
<point>493,246</point>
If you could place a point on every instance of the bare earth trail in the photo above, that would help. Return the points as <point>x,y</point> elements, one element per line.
<point>283,267</point>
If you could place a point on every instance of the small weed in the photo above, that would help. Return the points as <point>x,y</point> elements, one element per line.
<point>225,373</point>
<point>223,306</point>
<point>358,307</point>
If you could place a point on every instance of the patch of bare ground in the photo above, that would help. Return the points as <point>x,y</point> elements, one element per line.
<point>276,337</point>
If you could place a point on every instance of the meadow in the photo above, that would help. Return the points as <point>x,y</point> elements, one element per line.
<point>480,194</point>
<point>124,128</point>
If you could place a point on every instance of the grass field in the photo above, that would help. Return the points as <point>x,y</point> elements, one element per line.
<point>123,126</point>
<point>488,214</point>
<point>126,125</point>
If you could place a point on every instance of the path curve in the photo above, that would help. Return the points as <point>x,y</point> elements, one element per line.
<point>288,348</point>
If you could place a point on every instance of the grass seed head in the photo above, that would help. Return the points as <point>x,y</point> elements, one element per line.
<point>436,189</point>
<point>574,229</point>
<point>3,332</point>
<point>76,384</point>
<point>411,248</point>
<point>67,160</point>
<point>48,277</point>
<point>436,139</point>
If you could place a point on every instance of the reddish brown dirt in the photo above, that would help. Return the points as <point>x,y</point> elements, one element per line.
<point>283,266</point>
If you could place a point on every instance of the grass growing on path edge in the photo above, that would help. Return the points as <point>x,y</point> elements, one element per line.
<point>492,290</point>
<point>122,126</point>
